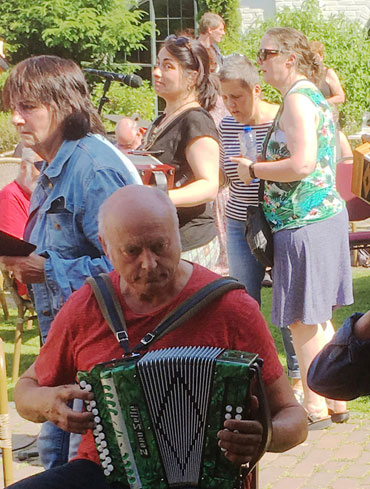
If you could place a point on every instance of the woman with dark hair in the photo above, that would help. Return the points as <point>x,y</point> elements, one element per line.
<point>53,114</point>
<point>185,136</point>
<point>309,220</point>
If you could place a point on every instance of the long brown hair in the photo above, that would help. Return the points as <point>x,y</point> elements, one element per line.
<point>60,85</point>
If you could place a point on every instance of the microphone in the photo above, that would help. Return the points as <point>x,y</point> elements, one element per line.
<point>133,81</point>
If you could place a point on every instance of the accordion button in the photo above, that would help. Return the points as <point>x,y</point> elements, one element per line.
<point>99,448</point>
<point>238,417</point>
<point>97,419</point>
<point>104,464</point>
<point>92,404</point>
<point>102,436</point>
<point>103,444</point>
<point>96,433</point>
<point>106,451</point>
<point>83,384</point>
<point>102,457</point>
<point>239,409</point>
<point>95,412</point>
<point>228,416</point>
<point>88,407</point>
<point>108,460</point>
<point>99,427</point>
<point>106,472</point>
<point>110,468</point>
<point>229,408</point>
<point>88,387</point>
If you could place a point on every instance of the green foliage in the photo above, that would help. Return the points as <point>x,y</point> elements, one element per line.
<point>229,11</point>
<point>76,29</point>
<point>347,52</point>
<point>125,100</point>
<point>8,133</point>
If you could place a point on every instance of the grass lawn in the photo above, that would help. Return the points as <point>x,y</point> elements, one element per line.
<point>361,282</point>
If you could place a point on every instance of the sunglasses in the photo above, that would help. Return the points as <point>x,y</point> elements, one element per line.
<point>263,53</point>
<point>181,41</point>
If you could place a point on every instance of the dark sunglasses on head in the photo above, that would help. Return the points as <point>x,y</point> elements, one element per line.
<point>263,53</point>
<point>181,41</point>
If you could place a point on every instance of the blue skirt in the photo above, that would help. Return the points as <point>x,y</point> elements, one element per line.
<point>312,271</point>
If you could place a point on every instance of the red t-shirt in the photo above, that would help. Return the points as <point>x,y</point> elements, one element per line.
<point>79,338</point>
<point>14,205</point>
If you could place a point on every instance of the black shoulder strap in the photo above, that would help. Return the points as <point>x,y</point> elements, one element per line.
<point>112,311</point>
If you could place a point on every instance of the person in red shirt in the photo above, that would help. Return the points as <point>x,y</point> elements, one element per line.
<point>15,200</point>
<point>150,280</point>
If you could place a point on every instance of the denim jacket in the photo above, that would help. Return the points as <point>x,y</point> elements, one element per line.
<point>342,369</point>
<point>63,218</point>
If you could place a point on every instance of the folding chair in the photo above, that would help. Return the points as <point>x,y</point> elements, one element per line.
<point>358,210</point>
<point>5,434</point>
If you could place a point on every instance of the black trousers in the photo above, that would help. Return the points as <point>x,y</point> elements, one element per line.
<point>78,474</point>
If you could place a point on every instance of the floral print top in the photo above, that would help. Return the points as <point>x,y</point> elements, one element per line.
<point>314,198</point>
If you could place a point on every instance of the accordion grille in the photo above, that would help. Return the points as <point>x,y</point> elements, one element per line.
<point>177,384</point>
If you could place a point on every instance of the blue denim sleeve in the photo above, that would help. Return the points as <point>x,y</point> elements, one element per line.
<point>342,369</point>
<point>65,275</point>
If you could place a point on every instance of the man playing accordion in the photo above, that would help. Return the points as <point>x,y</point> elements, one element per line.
<point>138,229</point>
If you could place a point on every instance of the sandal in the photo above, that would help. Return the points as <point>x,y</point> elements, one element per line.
<point>339,417</point>
<point>316,423</point>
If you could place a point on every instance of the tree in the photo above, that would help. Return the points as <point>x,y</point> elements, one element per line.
<point>83,30</point>
<point>347,50</point>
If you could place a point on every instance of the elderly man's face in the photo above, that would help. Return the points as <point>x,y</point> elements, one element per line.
<point>145,252</point>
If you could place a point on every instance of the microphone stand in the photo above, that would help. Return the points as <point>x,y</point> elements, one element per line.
<point>104,98</point>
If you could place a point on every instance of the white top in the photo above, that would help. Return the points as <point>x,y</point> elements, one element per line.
<point>241,195</point>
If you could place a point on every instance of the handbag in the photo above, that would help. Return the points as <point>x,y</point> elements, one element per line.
<point>258,232</point>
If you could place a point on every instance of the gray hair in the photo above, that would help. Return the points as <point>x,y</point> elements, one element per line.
<point>239,67</point>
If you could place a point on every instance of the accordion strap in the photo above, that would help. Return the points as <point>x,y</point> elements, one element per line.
<point>188,308</point>
<point>111,309</point>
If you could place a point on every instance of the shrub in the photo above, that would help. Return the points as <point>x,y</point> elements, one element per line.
<point>125,100</point>
<point>8,133</point>
<point>347,50</point>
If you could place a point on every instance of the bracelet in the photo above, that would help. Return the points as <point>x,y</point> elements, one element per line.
<point>251,171</point>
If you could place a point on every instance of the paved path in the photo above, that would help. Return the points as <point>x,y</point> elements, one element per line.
<point>335,458</point>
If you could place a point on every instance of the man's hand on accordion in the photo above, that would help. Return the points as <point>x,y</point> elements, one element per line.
<point>241,439</point>
<point>58,412</point>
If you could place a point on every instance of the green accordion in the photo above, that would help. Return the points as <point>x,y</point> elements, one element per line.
<point>157,415</point>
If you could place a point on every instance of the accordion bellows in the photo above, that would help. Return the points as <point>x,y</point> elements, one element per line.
<point>157,415</point>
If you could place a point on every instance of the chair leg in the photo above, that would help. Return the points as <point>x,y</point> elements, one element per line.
<point>5,434</point>
<point>17,344</point>
<point>4,305</point>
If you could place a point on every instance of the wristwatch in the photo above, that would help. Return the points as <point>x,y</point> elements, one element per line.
<point>251,171</point>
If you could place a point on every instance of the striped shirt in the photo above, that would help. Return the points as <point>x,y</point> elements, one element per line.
<point>241,195</point>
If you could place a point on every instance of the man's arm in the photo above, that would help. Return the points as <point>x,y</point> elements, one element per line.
<point>289,426</point>
<point>341,370</point>
<point>40,403</point>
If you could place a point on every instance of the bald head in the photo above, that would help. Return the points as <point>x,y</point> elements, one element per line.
<point>128,134</point>
<point>137,203</point>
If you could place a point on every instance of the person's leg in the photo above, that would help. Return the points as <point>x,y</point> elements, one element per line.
<point>78,474</point>
<point>242,263</point>
<point>335,407</point>
<point>53,445</point>
<point>308,340</point>
<point>291,357</point>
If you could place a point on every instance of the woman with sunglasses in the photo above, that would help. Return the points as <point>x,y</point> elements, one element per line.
<point>312,272</point>
<point>186,137</point>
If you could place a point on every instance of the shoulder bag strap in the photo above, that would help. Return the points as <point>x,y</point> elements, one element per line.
<point>111,308</point>
<point>188,308</point>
